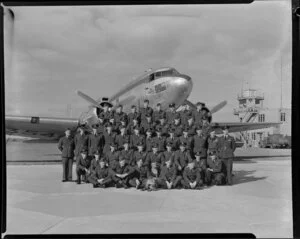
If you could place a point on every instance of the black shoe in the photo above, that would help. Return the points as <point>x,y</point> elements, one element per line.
<point>96,186</point>
<point>78,182</point>
<point>64,180</point>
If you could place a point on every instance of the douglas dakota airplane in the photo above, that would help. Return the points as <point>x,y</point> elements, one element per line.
<point>163,85</point>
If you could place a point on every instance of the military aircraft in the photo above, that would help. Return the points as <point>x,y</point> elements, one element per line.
<point>163,85</point>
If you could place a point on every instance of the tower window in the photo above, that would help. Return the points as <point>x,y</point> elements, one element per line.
<point>261,118</point>
<point>282,117</point>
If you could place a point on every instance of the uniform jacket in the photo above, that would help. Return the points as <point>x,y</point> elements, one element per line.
<point>161,141</point>
<point>101,128</point>
<point>182,158</point>
<point>120,139</point>
<point>198,116</point>
<point>170,116</point>
<point>93,166</point>
<point>151,158</point>
<point>201,164</point>
<point>83,163</point>
<point>200,145</point>
<point>145,111</point>
<point>187,140</point>
<point>226,147</point>
<point>128,154</point>
<point>130,128</point>
<point>135,139</point>
<point>120,170</point>
<point>145,125</point>
<point>66,146</point>
<point>81,141</point>
<point>101,172</point>
<point>168,155</point>
<point>168,174</point>
<point>140,173</point>
<point>149,142</point>
<point>157,115</point>
<point>152,174</point>
<point>191,175</point>
<point>191,127</point>
<point>131,116</point>
<point>119,116</point>
<point>174,141</point>
<point>213,143</point>
<point>112,157</point>
<point>164,127</point>
<point>184,115</point>
<point>137,155</point>
<point>95,142</point>
<point>216,165</point>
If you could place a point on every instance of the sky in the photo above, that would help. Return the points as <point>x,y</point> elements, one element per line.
<point>98,49</point>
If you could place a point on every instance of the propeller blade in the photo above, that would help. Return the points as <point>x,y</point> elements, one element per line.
<point>218,107</point>
<point>88,99</point>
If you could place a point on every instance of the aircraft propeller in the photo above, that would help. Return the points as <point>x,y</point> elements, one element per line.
<point>89,99</point>
<point>218,107</point>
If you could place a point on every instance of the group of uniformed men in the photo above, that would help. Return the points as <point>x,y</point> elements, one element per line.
<point>149,149</point>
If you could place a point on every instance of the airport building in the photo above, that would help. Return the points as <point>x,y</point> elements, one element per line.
<point>251,110</point>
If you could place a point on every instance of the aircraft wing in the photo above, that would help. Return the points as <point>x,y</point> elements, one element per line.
<point>238,127</point>
<point>38,127</point>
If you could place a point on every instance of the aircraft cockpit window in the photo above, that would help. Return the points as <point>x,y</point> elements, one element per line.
<point>167,73</point>
<point>158,74</point>
<point>151,77</point>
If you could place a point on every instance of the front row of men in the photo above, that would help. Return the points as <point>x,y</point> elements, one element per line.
<point>154,170</point>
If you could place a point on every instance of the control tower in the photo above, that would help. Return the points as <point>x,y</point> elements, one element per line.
<point>250,105</point>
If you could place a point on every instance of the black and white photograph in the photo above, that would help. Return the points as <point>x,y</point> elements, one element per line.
<point>149,118</point>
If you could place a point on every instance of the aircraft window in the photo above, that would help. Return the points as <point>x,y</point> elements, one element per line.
<point>158,74</point>
<point>167,73</point>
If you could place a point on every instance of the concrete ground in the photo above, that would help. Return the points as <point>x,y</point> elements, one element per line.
<point>259,202</point>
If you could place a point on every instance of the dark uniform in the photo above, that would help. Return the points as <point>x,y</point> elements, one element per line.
<point>178,129</point>
<point>157,115</point>
<point>200,145</point>
<point>82,165</point>
<point>112,157</point>
<point>185,115</point>
<point>81,141</point>
<point>161,142</point>
<point>154,157</point>
<point>168,174</point>
<point>145,125</point>
<point>213,144</point>
<point>131,127</point>
<point>174,141</point>
<point>191,128</point>
<point>190,176</point>
<point>201,164</point>
<point>137,155</point>
<point>66,145</point>
<point>226,148</point>
<point>105,115</point>
<point>140,173</point>
<point>125,169</point>
<point>135,115</point>
<point>109,138</point>
<point>101,173</point>
<point>127,154</point>
<point>206,127</point>
<point>118,116</point>
<point>135,139</point>
<point>149,143</point>
<point>95,143</point>
<point>144,112</point>
<point>170,115</point>
<point>164,128</point>
<point>120,139</point>
<point>198,114</point>
<point>101,128</point>
<point>182,158</point>
<point>168,155</point>
<point>187,140</point>
<point>217,172</point>
<point>94,163</point>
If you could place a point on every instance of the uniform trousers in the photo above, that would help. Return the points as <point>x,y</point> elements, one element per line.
<point>67,164</point>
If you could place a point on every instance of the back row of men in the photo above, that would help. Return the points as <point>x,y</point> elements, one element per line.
<point>117,138</point>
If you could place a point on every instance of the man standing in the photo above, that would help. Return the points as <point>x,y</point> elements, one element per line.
<point>198,113</point>
<point>81,141</point>
<point>160,140</point>
<point>149,140</point>
<point>147,124</point>
<point>212,142</point>
<point>158,113</point>
<point>171,113</point>
<point>119,115</point>
<point>154,156</point>
<point>109,138</point>
<point>174,141</point>
<point>122,137</point>
<point>95,141</point>
<point>112,156</point>
<point>227,148</point>
<point>139,154</point>
<point>186,139</point>
<point>136,138</point>
<point>66,145</point>
<point>133,115</point>
<point>146,110</point>
<point>200,143</point>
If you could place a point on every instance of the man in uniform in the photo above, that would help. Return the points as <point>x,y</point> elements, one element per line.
<point>140,153</point>
<point>136,138</point>
<point>191,177</point>
<point>182,157</point>
<point>215,170</point>
<point>190,125</point>
<point>105,114</point>
<point>152,177</point>
<point>101,125</point>
<point>94,162</point>
<point>134,124</point>
<point>109,138</point>
<point>81,141</point>
<point>227,147</point>
<point>120,174</point>
<point>200,143</point>
<point>186,139</point>
<point>158,113</point>
<point>122,137</point>
<point>186,114</point>
<point>119,115</point>
<point>95,141</point>
<point>146,110</point>
<point>149,140</point>
<point>168,154</point>
<point>83,164</point>
<point>160,140</point>
<point>212,142</point>
<point>112,155</point>
<point>101,177</point>
<point>201,164</point>
<point>113,124</point>
<point>154,156</point>
<point>171,113</point>
<point>168,177</point>
<point>139,176</point>
<point>198,113</point>
<point>66,145</point>
<point>133,115</point>
<point>126,152</point>
<point>147,124</point>
<point>206,127</point>
<point>174,141</point>
<point>177,125</point>
<point>163,125</point>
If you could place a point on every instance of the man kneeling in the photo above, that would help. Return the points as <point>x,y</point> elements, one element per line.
<point>168,176</point>
<point>191,177</point>
<point>215,170</point>
<point>139,176</point>
<point>101,177</point>
<point>120,173</point>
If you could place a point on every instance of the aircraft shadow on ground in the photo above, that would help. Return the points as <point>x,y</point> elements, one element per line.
<point>245,176</point>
